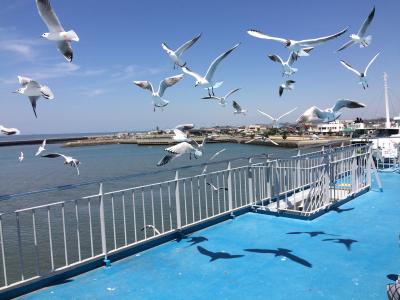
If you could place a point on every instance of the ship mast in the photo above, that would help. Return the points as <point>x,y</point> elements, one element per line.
<point>387,124</point>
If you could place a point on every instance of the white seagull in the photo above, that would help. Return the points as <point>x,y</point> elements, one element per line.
<point>41,148</point>
<point>216,189</point>
<point>180,136</point>
<point>176,55</point>
<point>314,114</point>
<point>263,139</point>
<point>68,160</point>
<point>179,149</point>
<point>157,96</point>
<point>21,157</point>
<point>288,85</point>
<point>207,80</point>
<point>361,75</point>
<point>287,68</point>
<point>360,37</point>
<point>275,121</point>
<point>296,46</point>
<point>222,100</point>
<point>156,231</point>
<point>9,131</point>
<point>238,109</point>
<point>34,91</point>
<point>212,157</point>
<point>57,32</point>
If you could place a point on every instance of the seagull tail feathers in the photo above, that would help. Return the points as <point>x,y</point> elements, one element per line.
<point>72,36</point>
<point>367,40</point>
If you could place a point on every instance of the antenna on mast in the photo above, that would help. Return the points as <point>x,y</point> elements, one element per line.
<point>385,77</point>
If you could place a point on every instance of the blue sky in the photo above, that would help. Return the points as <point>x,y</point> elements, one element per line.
<point>120,43</point>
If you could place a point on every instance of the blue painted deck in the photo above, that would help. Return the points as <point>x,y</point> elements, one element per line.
<point>345,254</point>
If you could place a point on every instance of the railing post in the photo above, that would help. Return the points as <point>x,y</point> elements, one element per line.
<point>230,196</point>
<point>276,186</point>
<point>250,182</point>
<point>353,172</point>
<point>177,201</point>
<point>103,227</point>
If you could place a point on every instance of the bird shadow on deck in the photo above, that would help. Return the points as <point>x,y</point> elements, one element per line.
<point>340,210</point>
<point>217,255</point>
<point>312,233</point>
<point>284,253</point>
<point>346,242</point>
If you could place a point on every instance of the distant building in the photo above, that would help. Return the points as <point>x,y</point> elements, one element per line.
<point>327,128</point>
<point>255,128</point>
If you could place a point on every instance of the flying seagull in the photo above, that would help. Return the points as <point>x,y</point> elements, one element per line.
<point>287,68</point>
<point>156,231</point>
<point>275,121</point>
<point>57,32</point>
<point>9,131</point>
<point>207,80</point>
<point>212,157</point>
<point>314,114</point>
<point>360,37</point>
<point>288,85</point>
<point>41,148</point>
<point>176,55</point>
<point>238,109</point>
<point>157,96</point>
<point>34,91</point>
<point>361,75</point>
<point>263,139</point>
<point>68,160</point>
<point>191,147</point>
<point>216,189</point>
<point>222,100</point>
<point>216,255</point>
<point>296,46</point>
<point>21,157</point>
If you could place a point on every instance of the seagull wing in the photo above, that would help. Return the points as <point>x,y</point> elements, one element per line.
<point>347,103</point>
<point>44,143</point>
<point>167,82</point>
<point>366,23</point>
<point>146,85</point>
<point>180,148</point>
<point>32,84</point>
<point>184,126</point>
<point>285,114</point>
<point>260,35</point>
<point>191,73</point>
<point>348,44</point>
<point>215,63</point>
<point>370,63</point>
<point>347,66</point>
<point>265,114</point>
<point>48,15</point>
<point>166,48</point>
<point>252,140</point>
<point>280,90</point>
<point>236,106</point>
<point>24,80</point>
<point>33,100</point>
<point>181,135</point>
<point>292,58</point>
<point>271,141</point>
<point>66,50</point>
<point>217,153</point>
<point>76,166</point>
<point>276,58</point>
<point>46,92</point>
<point>321,40</point>
<point>186,45</point>
<point>311,114</point>
<point>230,93</point>
<point>53,155</point>
<point>166,159</point>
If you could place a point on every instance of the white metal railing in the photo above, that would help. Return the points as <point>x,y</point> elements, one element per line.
<point>44,239</point>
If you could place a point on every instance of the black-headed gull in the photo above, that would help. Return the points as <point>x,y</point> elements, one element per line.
<point>21,156</point>
<point>263,139</point>
<point>157,96</point>
<point>238,110</point>
<point>287,85</point>
<point>33,90</point>
<point>41,148</point>
<point>152,227</point>
<point>361,75</point>
<point>296,46</point>
<point>9,131</point>
<point>57,32</point>
<point>191,147</point>
<point>180,136</point>
<point>360,37</point>
<point>207,80</point>
<point>275,121</point>
<point>216,189</point>
<point>176,55</point>
<point>212,157</point>
<point>68,160</point>
<point>287,68</point>
<point>314,114</point>
<point>221,100</point>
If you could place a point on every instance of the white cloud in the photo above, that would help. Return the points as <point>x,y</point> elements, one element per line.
<point>95,92</point>
<point>130,71</point>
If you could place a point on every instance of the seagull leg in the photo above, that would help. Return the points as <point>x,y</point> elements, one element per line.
<point>212,90</point>
<point>209,92</point>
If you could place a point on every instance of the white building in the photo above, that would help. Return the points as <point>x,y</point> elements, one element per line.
<point>331,127</point>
